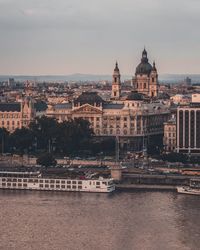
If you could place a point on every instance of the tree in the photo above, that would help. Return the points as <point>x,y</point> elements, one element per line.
<point>4,140</point>
<point>46,160</point>
<point>44,130</point>
<point>175,157</point>
<point>22,140</point>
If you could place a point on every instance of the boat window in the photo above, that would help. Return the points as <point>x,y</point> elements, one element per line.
<point>52,181</point>
<point>51,186</point>
<point>46,181</point>
<point>57,181</point>
<point>73,182</point>
<point>57,186</point>
<point>79,182</point>
<point>74,187</point>
<point>24,180</point>
<point>41,185</point>
<point>14,184</point>
<point>19,180</point>
<point>30,180</point>
<point>36,180</point>
<point>63,182</point>
<point>62,186</point>
<point>98,182</point>
<point>68,186</point>
<point>19,184</point>
<point>41,181</point>
<point>9,179</point>
<point>9,184</point>
<point>24,185</point>
<point>46,186</point>
<point>68,182</point>
<point>4,184</point>
<point>79,187</point>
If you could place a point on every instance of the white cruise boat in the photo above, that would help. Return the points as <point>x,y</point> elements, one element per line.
<point>35,181</point>
<point>193,188</point>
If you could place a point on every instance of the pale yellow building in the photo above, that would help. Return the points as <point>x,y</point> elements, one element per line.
<point>16,115</point>
<point>130,120</point>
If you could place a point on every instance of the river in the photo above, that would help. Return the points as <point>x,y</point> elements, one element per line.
<point>120,221</point>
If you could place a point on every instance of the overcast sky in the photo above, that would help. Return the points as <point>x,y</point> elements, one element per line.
<point>88,36</point>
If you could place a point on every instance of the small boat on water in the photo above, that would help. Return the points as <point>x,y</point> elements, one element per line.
<point>193,188</point>
<point>35,181</point>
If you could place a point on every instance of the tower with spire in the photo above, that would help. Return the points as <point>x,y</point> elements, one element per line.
<point>153,84</point>
<point>116,83</point>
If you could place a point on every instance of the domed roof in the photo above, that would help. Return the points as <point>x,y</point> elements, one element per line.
<point>135,96</point>
<point>90,98</point>
<point>144,67</point>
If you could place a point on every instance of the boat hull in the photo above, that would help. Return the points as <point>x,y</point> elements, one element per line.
<point>188,190</point>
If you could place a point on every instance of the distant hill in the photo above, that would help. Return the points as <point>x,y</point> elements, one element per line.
<point>171,78</point>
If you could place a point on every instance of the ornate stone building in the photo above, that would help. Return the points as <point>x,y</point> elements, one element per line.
<point>131,120</point>
<point>146,77</point>
<point>16,115</point>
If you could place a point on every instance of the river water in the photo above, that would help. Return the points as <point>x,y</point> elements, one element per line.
<point>119,221</point>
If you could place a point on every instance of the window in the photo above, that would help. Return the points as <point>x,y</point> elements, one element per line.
<point>63,182</point>
<point>25,185</point>
<point>68,186</point>
<point>74,187</point>
<point>62,186</point>
<point>73,182</point>
<point>51,186</point>
<point>79,187</point>
<point>79,182</point>
<point>52,181</point>
<point>46,181</point>
<point>41,185</point>
<point>68,182</point>
<point>46,186</point>
<point>57,186</point>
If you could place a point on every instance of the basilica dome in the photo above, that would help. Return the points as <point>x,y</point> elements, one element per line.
<point>144,67</point>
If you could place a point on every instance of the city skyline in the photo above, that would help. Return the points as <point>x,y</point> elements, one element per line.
<point>44,37</point>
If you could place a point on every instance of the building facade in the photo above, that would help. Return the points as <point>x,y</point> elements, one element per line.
<point>169,139</point>
<point>16,115</point>
<point>188,128</point>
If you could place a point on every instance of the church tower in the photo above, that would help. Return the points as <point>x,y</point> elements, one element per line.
<point>116,83</point>
<point>153,86</point>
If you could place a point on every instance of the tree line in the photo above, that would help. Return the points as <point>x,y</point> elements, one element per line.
<point>48,135</point>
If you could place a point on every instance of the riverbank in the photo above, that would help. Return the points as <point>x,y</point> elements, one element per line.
<point>126,187</point>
